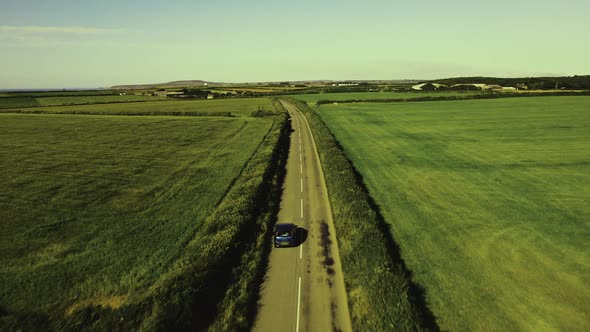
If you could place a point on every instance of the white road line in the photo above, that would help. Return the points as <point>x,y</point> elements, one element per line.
<point>298,304</point>
<point>302,208</point>
<point>300,168</point>
<point>300,251</point>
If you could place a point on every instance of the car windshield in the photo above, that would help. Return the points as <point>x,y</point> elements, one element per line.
<point>283,233</point>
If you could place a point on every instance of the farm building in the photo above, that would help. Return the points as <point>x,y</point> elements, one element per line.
<point>428,86</point>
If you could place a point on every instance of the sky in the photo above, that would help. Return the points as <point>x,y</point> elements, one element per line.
<point>90,43</point>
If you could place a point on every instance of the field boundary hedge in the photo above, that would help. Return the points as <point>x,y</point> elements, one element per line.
<point>227,256</point>
<point>449,98</point>
<point>381,294</point>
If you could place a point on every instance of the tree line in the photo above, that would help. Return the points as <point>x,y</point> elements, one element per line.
<point>577,82</point>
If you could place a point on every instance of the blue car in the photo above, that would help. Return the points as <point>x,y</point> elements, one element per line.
<point>285,235</point>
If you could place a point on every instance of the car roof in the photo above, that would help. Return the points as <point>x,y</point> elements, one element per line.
<point>284,226</point>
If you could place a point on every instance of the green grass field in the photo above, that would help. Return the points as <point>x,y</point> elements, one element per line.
<point>57,101</point>
<point>313,98</point>
<point>489,201</point>
<point>13,102</point>
<point>235,107</point>
<point>59,93</point>
<point>94,209</point>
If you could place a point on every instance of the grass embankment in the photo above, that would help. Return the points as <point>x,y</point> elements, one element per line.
<point>381,295</point>
<point>108,222</point>
<point>489,201</point>
<point>222,107</point>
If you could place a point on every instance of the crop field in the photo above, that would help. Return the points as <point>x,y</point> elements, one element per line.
<point>313,98</point>
<point>94,209</point>
<point>55,93</point>
<point>57,101</point>
<point>234,107</point>
<point>12,102</point>
<point>489,201</point>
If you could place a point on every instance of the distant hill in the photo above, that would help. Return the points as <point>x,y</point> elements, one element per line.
<point>576,82</point>
<point>173,84</point>
<point>200,83</point>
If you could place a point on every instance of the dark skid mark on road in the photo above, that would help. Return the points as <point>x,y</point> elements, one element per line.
<point>326,243</point>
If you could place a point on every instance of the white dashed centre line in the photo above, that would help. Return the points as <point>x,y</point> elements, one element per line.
<point>302,208</point>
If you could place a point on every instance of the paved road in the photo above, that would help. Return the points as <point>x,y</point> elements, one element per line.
<point>304,287</point>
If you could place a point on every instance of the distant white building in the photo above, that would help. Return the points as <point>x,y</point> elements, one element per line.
<point>345,84</point>
<point>420,87</point>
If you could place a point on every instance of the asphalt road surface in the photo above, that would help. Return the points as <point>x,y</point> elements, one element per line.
<point>304,287</point>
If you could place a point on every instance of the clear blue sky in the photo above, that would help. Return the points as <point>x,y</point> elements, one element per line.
<point>91,43</point>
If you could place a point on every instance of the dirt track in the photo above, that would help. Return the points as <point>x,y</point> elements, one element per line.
<point>304,287</point>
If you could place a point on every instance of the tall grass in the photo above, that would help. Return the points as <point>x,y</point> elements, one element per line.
<point>381,294</point>
<point>13,102</point>
<point>185,292</point>
<point>222,107</point>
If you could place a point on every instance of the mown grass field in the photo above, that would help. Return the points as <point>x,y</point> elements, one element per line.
<point>234,107</point>
<point>489,201</point>
<point>94,209</point>
<point>313,98</point>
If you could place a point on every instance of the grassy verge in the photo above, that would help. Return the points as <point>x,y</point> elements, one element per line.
<point>381,294</point>
<point>488,200</point>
